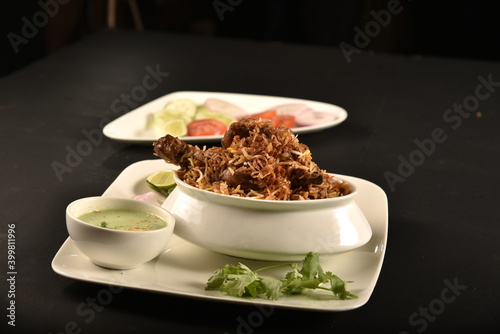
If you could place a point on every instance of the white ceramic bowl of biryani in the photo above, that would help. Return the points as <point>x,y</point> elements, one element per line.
<point>260,196</point>
<point>265,229</point>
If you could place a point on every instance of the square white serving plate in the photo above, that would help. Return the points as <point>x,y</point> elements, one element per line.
<point>184,268</point>
<point>135,127</point>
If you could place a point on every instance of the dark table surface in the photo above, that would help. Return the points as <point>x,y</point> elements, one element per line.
<point>443,197</point>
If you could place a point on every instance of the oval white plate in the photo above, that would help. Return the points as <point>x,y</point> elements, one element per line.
<point>135,127</point>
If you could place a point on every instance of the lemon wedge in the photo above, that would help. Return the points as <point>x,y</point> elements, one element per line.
<point>175,127</point>
<point>162,181</point>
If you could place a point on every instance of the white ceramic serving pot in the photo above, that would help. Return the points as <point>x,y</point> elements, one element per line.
<point>265,229</point>
<point>117,249</point>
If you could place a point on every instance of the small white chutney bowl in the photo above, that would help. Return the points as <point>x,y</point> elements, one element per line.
<point>117,249</point>
<point>266,229</point>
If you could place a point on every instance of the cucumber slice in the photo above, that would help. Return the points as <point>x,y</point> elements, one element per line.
<point>205,113</point>
<point>180,108</point>
<point>186,107</point>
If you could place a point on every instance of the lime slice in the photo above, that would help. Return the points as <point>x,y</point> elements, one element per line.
<point>162,181</point>
<point>205,113</point>
<point>175,127</point>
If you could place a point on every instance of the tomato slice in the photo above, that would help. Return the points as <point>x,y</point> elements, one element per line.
<point>272,115</point>
<point>287,120</point>
<point>206,127</point>
<point>268,115</point>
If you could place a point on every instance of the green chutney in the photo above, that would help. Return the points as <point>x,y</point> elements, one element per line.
<point>124,219</point>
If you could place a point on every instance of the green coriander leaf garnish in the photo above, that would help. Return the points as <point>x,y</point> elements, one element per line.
<point>241,281</point>
<point>271,288</point>
<point>311,267</point>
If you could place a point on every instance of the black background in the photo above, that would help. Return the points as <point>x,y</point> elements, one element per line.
<point>443,222</point>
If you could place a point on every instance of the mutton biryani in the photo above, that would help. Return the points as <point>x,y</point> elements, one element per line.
<point>256,160</point>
